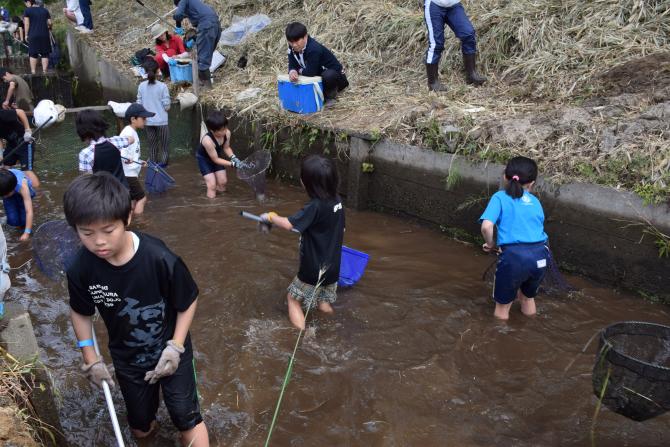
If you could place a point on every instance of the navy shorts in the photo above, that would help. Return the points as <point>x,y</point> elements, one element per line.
<point>207,166</point>
<point>15,210</point>
<point>520,267</point>
<point>24,157</point>
<point>179,394</point>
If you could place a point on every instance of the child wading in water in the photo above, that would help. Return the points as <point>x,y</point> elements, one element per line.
<point>137,117</point>
<point>210,152</point>
<point>155,97</point>
<point>146,297</point>
<point>102,153</point>
<point>321,226</point>
<point>17,194</point>
<point>523,258</point>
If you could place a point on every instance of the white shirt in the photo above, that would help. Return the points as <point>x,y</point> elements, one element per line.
<point>131,152</point>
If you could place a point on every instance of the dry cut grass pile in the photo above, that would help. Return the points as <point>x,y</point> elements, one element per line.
<point>19,424</point>
<point>540,57</point>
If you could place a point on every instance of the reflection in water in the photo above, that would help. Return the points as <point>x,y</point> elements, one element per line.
<point>412,356</point>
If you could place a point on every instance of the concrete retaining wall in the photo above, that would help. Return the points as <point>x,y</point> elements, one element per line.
<point>596,231</point>
<point>97,78</point>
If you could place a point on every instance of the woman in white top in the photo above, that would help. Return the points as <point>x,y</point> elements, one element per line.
<point>155,97</point>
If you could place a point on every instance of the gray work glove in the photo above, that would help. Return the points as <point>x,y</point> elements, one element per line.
<point>28,136</point>
<point>97,371</point>
<point>265,226</point>
<point>236,162</point>
<point>167,364</point>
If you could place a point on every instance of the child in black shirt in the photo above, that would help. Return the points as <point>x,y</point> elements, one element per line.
<point>321,226</point>
<point>102,153</point>
<point>147,299</point>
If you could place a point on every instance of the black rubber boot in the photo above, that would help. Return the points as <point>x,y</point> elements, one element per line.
<point>471,75</point>
<point>434,79</point>
<point>205,79</point>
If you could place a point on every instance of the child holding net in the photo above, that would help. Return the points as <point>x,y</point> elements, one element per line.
<point>523,255</point>
<point>146,297</point>
<point>136,115</point>
<point>213,145</point>
<point>321,226</point>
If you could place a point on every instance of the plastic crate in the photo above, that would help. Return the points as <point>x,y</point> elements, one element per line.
<point>181,73</point>
<point>303,96</point>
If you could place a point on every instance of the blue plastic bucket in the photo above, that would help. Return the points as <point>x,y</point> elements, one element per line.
<point>352,266</point>
<point>181,73</point>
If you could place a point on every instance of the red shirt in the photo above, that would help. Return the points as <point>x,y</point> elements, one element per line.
<point>175,47</point>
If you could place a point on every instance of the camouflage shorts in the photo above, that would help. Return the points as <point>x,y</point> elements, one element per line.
<point>304,293</point>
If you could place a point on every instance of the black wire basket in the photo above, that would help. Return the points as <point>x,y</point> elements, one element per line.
<point>632,369</point>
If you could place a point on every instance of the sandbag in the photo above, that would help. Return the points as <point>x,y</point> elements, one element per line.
<point>119,108</point>
<point>186,100</point>
<point>46,113</point>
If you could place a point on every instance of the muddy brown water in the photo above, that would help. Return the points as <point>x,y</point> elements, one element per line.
<point>412,356</point>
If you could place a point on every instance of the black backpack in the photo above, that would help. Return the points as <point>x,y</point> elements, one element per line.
<point>140,56</point>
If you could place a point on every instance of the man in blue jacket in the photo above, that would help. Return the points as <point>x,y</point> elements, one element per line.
<point>206,21</point>
<point>307,57</point>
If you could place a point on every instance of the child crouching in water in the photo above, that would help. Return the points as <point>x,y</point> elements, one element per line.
<point>147,298</point>
<point>210,152</point>
<point>523,257</point>
<point>17,194</point>
<point>321,226</point>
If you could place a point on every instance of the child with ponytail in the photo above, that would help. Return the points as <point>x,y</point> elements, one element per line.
<point>155,97</point>
<point>521,241</point>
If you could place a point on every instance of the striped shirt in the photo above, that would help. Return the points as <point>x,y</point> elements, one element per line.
<point>86,155</point>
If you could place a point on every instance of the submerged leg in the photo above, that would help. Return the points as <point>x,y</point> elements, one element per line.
<point>210,182</point>
<point>326,308</point>
<point>527,304</point>
<point>502,311</point>
<point>195,437</point>
<point>295,313</point>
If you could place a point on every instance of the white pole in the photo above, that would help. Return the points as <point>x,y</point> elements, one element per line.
<point>108,398</point>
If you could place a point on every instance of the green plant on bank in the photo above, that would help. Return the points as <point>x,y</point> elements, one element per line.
<point>472,201</point>
<point>462,235</point>
<point>432,136</point>
<point>453,178</point>
<point>300,140</point>
<point>652,194</point>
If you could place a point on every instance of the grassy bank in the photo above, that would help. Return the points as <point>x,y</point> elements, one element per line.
<point>580,86</point>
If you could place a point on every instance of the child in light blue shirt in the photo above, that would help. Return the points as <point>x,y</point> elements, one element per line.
<point>518,216</point>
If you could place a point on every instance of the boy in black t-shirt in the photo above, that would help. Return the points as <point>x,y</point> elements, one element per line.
<point>321,226</point>
<point>147,299</point>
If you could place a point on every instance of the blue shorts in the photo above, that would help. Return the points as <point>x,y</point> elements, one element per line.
<point>207,166</point>
<point>15,210</point>
<point>520,267</point>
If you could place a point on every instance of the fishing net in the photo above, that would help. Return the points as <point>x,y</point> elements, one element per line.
<point>632,369</point>
<point>54,245</point>
<point>253,170</point>
<point>553,284</point>
<point>157,180</point>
